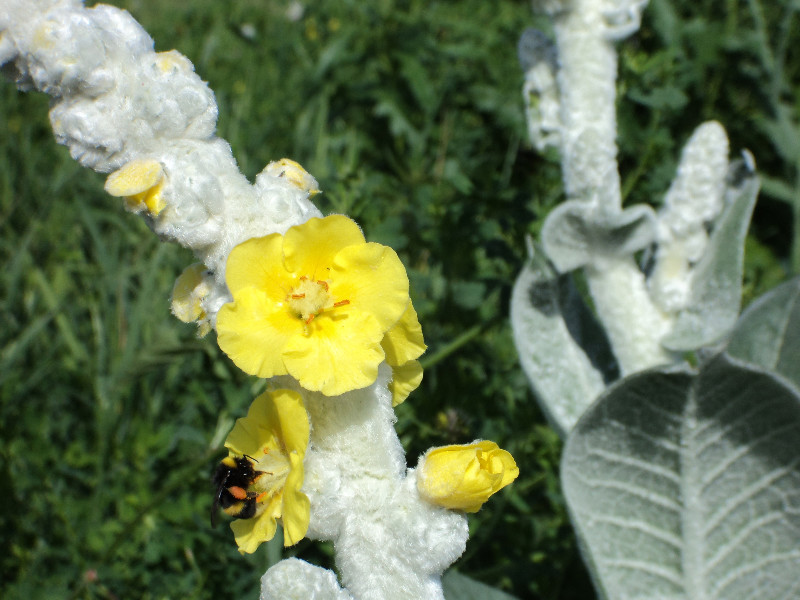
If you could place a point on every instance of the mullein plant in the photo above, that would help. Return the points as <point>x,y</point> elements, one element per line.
<point>681,466</point>
<point>297,298</point>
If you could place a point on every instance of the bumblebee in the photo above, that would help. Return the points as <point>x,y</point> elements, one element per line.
<point>232,479</point>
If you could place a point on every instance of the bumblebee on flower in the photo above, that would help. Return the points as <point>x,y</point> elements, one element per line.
<point>317,303</point>
<point>259,482</point>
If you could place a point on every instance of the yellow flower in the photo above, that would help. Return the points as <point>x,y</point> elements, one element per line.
<point>140,182</point>
<point>463,477</point>
<point>402,344</point>
<point>187,297</point>
<point>314,303</point>
<point>274,434</point>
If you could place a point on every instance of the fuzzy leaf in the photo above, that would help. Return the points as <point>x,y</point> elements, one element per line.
<point>534,47</point>
<point>716,286</point>
<point>550,326</point>
<point>460,587</point>
<point>575,233</point>
<point>768,332</point>
<point>685,485</point>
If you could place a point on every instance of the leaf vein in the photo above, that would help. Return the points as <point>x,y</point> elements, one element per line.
<point>754,567</point>
<point>714,473</point>
<point>747,493</point>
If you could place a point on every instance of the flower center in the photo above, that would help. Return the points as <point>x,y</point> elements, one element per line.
<point>271,468</point>
<point>309,298</point>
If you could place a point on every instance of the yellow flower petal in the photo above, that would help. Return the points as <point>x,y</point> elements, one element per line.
<point>134,177</point>
<point>309,248</point>
<point>252,332</point>
<point>258,262</point>
<point>251,533</point>
<point>141,182</point>
<point>292,420</point>
<point>405,379</point>
<point>374,279</point>
<point>296,505</point>
<point>342,353</point>
<point>463,477</point>
<point>404,341</point>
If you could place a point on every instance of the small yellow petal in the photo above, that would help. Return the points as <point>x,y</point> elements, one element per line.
<point>252,332</point>
<point>258,262</point>
<point>404,341</point>
<point>292,419</point>
<point>135,177</point>
<point>464,477</point>
<point>251,533</point>
<point>342,353</point>
<point>309,248</point>
<point>405,379</point>
<point>374,279</point>
<point>153,199</point>
<point>296,505</point>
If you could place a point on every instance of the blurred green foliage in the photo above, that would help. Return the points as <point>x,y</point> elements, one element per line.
<point>409,113</point>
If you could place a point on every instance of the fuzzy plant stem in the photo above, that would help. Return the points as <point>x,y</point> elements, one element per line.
<point>586,81</point>
<point>388,542</point>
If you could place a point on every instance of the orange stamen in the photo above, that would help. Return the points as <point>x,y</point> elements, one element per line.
<point>341,303</point>
<point>298,296</point>
<point>310,318</point>
<point>323,284</point>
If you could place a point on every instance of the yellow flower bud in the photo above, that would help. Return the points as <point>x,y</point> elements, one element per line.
<point>293,173</point>
<point>463,477</point>
<point>191,287</point>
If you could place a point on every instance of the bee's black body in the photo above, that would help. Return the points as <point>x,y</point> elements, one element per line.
<point>231,480</point>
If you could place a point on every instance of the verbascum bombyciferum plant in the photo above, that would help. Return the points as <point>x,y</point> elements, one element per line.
<point>295,297</point>
<point>681,467</point>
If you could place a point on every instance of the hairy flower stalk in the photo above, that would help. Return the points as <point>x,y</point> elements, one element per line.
<point>583,68</point>
<point>294,297</point>
<point>685,294</point>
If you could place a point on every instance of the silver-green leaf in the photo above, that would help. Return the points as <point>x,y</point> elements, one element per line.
<point>460,587</point>
<point>768,332</point>
<point>685,485</point>
<point>550,332</point>
<point>576,233</point>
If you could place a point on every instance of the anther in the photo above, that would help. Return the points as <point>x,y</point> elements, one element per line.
<point>341,303</point>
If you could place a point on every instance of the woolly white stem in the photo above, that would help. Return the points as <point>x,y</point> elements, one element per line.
<point>587,80</point>
<point>389,542</point>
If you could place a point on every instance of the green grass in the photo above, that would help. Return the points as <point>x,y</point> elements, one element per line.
<point>409,114</point>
